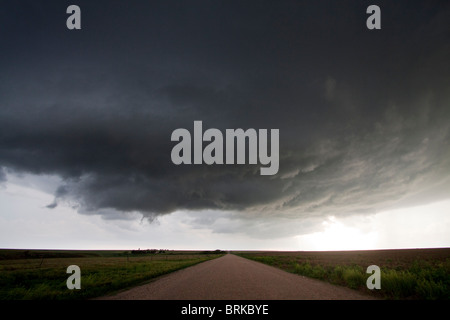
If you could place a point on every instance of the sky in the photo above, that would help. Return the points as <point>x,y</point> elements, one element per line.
<point>86,119</point>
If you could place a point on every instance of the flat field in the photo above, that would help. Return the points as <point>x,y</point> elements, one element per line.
<point>41,274</point>
<point>405,273</point>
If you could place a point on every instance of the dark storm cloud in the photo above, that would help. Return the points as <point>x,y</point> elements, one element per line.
<point>2,175</point>
<point>363,115</point>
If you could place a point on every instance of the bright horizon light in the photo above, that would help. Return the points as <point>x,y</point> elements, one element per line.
<point>338,236</point>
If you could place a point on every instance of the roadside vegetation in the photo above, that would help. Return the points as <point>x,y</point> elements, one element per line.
<point>41,274</point>
<point>405,274</point>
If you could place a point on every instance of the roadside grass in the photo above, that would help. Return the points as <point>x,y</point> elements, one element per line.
<point>421,280</point>
<point>45,279</point>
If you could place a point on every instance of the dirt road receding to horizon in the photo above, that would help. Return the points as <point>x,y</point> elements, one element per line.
<point>234,278</point>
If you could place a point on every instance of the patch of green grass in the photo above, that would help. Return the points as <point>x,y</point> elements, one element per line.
<point>399,284</point>
<point>34,279</point>
<point>420,280</point>
<point>354,277</point>
<point>306,269</point>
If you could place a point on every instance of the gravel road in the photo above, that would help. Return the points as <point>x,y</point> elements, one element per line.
<point>234,278</point>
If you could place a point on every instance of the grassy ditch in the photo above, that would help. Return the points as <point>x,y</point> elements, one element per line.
<point>43,275</point>
<point>405,278</point>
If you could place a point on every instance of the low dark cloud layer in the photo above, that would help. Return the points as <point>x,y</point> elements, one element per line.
<point>363,115</point>
<point>2,175</point>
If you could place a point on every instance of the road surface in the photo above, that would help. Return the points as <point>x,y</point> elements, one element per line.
<point>234,278</point>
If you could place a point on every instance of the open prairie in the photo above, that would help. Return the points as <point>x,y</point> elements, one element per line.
<point>235,278</point>
<point>405,273</point>
<point>41,274</point>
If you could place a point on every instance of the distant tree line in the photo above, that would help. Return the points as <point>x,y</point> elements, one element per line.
<point>214,252</point>
<point>158,251</point>
<point>146,251</point>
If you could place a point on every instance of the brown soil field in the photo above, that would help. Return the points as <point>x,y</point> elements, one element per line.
<point>390,258</point>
